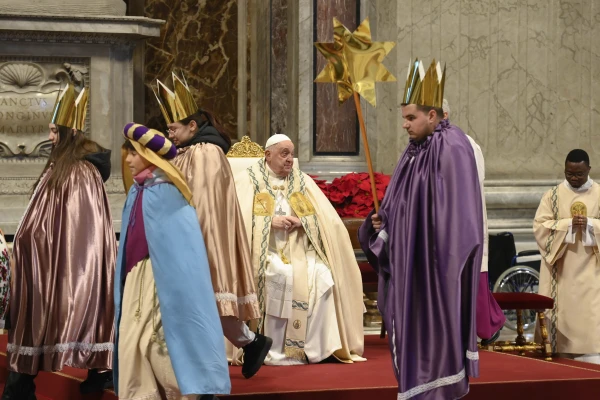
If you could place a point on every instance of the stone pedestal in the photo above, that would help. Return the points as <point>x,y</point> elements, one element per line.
<point>57,7</point>
<point>38,55</point>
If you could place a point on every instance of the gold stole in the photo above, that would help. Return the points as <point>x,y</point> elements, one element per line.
<point>262,216</point>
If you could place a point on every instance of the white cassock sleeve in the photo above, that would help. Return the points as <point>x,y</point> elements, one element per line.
<point>587,236</point>
<point>570,236</point>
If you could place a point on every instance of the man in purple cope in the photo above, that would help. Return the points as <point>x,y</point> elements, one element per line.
<point>426,243</point>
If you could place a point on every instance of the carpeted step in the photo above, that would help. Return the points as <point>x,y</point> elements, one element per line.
<point>37,395</point>
<point>503,376</point>
<point>55,385</point>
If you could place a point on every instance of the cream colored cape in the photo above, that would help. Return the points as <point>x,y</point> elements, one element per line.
<point>208,174</point>
<point>331,241</point>
<point>570,273</point>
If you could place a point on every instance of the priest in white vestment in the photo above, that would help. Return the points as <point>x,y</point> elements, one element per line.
<point>567,229</point>
<point>309,284</point>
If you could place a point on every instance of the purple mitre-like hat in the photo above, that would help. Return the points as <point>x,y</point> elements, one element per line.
<point>151,139</point>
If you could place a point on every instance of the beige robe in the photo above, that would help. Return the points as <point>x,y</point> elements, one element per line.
<point>327,243</point>
<point>570,270</point>
<point>209,177</point>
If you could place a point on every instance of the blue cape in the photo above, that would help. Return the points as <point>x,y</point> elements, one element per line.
<point>191,323</point>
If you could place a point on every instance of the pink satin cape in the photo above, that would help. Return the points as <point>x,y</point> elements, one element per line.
<point>62,307</point>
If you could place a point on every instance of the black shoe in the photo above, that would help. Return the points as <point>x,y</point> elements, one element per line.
<point>255,354</point>
<point>96,382</point>
<point>207,397</point>
<point>495,336</point>
<point>19,387</point>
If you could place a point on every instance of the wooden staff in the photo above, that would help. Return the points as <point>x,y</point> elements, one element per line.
<point>363,131</point>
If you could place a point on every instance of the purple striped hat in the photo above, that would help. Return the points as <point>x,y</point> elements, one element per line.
<point>151,139</point>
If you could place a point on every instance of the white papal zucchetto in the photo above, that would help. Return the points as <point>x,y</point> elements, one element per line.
<point>276,138</point>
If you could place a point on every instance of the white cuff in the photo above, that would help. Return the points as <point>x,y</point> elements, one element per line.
<point>570,236</point>
<point>383,235</point>
<point>588,237</point>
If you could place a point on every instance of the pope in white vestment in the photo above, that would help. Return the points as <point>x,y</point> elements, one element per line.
<point>567,229</point>
<point>308,282</point>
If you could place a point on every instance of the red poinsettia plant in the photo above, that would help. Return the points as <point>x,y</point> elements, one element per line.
<point>351,194</point>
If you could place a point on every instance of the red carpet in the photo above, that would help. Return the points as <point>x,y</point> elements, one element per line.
<point>503,376</point>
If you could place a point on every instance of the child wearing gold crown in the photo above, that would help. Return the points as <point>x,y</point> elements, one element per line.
<point>201,158</point>
<point>64,256</point>
<point>169,337</point>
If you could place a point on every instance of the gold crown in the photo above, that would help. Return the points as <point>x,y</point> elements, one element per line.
<point>70,111</point>
<point>177,104</point>
<point>425,88</point>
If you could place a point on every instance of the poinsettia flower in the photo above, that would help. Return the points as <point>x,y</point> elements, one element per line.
<point>347,186</point>
<point>335,196</point>
<point>365,184</point>
<point>351,194</point>
<point>364,199</point>
<point>357,210</point>
<point>382,180</point>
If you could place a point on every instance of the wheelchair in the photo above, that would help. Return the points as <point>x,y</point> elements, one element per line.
<point>509,271</point>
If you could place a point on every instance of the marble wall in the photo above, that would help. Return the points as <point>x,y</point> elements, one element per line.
<point>199,38</point>
<point>522,77</point>
<point>335,127</point>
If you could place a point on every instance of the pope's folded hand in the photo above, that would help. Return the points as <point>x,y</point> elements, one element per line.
<point>281,223</point>
<point>294,221</point>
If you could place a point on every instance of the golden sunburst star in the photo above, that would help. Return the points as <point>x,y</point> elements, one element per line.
<point>354,61</point>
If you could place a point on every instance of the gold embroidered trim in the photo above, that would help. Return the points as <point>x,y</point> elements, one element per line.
<point>295,353</point>
<point>301,205</point>
<point>264,205</point>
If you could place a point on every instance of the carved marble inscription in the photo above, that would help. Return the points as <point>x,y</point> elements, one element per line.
<point>28,91</point>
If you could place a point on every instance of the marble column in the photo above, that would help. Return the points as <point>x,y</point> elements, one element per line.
<point>284,68</point>
<point>335,127</point>
<point>137,8</point>
<point>279,65</point>
<point>325,162</point>
<point>259,12</point>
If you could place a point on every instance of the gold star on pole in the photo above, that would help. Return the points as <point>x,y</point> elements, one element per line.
<point>355,62</point>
